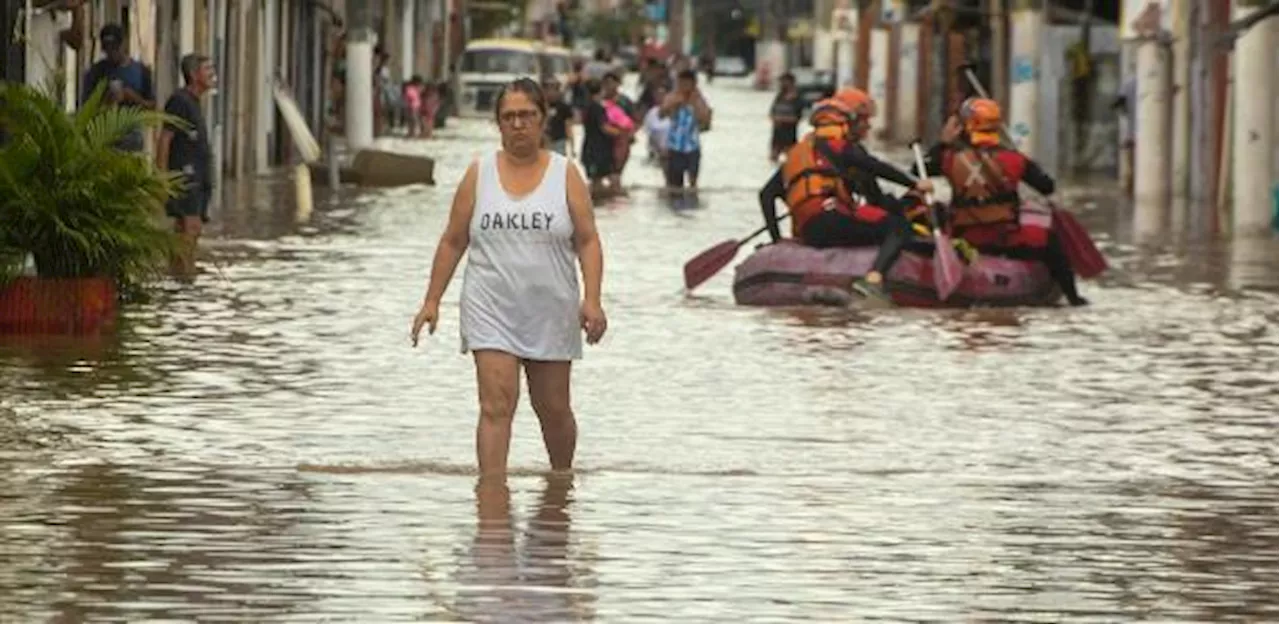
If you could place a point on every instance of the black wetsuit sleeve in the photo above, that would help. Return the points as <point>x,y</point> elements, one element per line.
<point>865,185</point>
<point>932,163</point>
<point>773,189</point>
<point>1036,178</point>
<point>856,157</point>
<point>933,160</point>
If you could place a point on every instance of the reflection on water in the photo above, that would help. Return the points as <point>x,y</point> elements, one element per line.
<point>262,445</point>
<point>511,575</point>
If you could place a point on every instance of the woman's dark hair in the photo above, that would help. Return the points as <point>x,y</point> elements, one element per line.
<point>529,87</point>
<point>593,87</point>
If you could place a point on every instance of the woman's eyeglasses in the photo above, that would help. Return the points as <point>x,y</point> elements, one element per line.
<point>526,116</point>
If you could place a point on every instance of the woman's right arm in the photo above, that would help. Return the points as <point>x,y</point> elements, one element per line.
<point>456,237</point>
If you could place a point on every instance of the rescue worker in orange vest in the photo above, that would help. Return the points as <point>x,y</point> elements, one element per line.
<point>828,182</point>
<point>985,208</point>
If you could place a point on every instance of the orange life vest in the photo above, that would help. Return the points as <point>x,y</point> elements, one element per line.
<point>984,185</point>
<point>813,183</point>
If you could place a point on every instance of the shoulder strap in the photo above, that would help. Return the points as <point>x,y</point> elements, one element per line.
<point>998,176</point>
<point>486,172</point>
<point>824,148</point>
<point>836,167</point>
<point>558,170</point>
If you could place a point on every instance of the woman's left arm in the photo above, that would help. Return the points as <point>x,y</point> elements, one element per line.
<point>585,236</point>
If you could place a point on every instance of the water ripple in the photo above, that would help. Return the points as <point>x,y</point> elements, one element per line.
<point>262,445</point>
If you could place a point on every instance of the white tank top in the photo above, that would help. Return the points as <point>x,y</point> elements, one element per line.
<point>520,289</point>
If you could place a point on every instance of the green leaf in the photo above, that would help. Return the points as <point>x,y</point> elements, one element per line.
<point>81,207</point>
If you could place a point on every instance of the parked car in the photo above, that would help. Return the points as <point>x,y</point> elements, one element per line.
<point>731,66</point>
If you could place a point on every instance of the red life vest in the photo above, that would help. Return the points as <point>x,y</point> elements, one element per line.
<point>984,185</point>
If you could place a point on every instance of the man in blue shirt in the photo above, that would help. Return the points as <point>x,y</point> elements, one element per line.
<point>690,115</point>
<point>128,81</point>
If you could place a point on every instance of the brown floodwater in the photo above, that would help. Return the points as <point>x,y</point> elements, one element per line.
<point>263,445</point>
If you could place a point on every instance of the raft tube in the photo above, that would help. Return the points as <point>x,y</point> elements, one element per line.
<point>788,273</point>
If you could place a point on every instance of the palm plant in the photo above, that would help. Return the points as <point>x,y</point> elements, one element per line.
<point>69,198</point>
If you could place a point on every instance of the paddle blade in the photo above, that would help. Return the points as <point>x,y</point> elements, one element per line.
<point>947,270</point>
<point>1083,255</point>
<point>706,264</point>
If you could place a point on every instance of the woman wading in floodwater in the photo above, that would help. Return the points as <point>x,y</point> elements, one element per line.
<point>524,213</point>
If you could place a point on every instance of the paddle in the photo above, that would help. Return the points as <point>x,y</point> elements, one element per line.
<point>947,270</point>
<point>706,264</point>
<point>1083,255</point>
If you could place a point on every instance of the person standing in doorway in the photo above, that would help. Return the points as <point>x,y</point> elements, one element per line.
<point>129,81</point>
<point>690,115</point>
<point>785,114</point>
<point>525,215</point>
<point>185,148</point>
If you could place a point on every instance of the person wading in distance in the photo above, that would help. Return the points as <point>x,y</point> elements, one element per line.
<point>185,148</point>
<point>524,213</point>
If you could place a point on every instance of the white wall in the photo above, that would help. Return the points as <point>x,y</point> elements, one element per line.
<point>44,50</point>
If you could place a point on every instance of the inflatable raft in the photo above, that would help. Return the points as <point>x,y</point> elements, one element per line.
<point>787,273</point>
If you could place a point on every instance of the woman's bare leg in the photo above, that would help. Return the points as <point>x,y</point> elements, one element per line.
<point>498,382</point>
<point>549,394</point>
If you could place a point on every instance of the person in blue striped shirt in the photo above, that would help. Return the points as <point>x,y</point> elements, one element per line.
<point>690,115</point>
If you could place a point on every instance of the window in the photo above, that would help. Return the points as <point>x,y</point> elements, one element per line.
<point>498,62</point>
<point>555,64</point>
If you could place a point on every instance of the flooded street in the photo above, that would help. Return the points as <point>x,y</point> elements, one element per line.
<point>264,445</point>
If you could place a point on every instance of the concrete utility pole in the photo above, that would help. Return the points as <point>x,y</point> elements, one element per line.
<point>845,27</point>
<point>823,40</point>
<point>998,89</point>
<point>1024,93</point>
<point>1181,14</point>
<point>908,52</point>
<point>1253,140</point>
<point>878,71</point>
<point>1152,142</point>
<point>676,26</point>
<point>359,87</point>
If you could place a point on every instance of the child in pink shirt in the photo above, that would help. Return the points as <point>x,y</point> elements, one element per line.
<point>413,103</point>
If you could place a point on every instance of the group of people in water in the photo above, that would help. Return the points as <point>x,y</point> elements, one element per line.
<point>829,183</point>
<point>525,216</point>
<point>670,109</point>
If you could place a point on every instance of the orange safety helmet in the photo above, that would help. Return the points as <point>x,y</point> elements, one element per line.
<point>831,119</point>
<point>857,100</point>
<point>981,119</point>
<point>861,108</point>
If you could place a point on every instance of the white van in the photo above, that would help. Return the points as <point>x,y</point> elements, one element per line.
<point>488,64</point>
